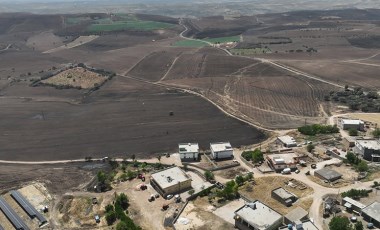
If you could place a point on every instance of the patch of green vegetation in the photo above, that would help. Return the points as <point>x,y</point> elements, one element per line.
<point>223,39</point>
<point>75,20</point>
<point>255,156</point>
<point>129,25</point>
<point>355,193</point>
<point>252,51</point>
<point>312,130</point>
<point>190,43</point>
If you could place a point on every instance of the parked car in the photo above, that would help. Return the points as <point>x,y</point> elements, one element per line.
<point>168,197</point>
<point>313,166</point>
<point>297,171</point>
<point>286,171</point>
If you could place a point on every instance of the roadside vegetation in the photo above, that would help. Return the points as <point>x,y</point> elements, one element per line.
<point>312,130</point>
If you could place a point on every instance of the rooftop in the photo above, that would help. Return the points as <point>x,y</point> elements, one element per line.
<point>354,202</point>
<point>328,173</point>
<point>306,225</point>
<point>169,177</point>
<point>287,158</point>
<point>220,146</point>
<point>369,144</point>
<point>258,215</point>
<point>287,139</point>
<point>352,122</point>
<point>188,148</point>
<point>296,214</point>
<point>283,193</point>
<point>373,210</point>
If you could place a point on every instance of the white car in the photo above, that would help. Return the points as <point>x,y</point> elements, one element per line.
<point>168,197</point>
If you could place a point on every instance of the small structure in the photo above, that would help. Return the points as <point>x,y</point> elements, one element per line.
<point>371,213</point>
<point>188,151</point>
<point>369,149</point>
<point>346,124</point>
<point>327,174</point>
<point>170,181</point>
<point>285,197</point>
<point>348,142</point>
<point>300,225</point>
<point>258,216</point>
<point>278,162</point>
<point>297,214</point>
<point>352,205</point>
<point>221,150</point>
<point>287,141</point>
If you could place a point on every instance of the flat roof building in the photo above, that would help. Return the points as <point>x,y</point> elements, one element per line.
<point>327,174</point>
<point>346,124</point>
<point>221,150</point>
<point>297,214</point>
<point>352,204</point>
<point>170,181</point>
<point>257,216</point>
<point>371,213</point>
<point>369,149</point>
<point>287,141</point>
<point>300,225</point>
<point>285,197</point>
<point>188,151</point>
<point>278,162</point>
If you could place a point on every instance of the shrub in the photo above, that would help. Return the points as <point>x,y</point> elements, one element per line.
<point>209,175</point>
<point>353,132</point>
<point>110,217</point>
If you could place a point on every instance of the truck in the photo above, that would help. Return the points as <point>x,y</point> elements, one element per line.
<point>286,171</point>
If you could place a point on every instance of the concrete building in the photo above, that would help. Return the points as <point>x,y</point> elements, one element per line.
<point>327,174</point>
<point>221,150</point>
<point>188,151</point>
<point>352,205</point>
<point>300,225</point>
<point>278,162</point>
<point>346,124</point>
<point>348,142</point>
<point>297,214</point>
<point>170,181</point>
<point>287,141</point>
<point>369,149</point>
<point>285,197</point>
<point>257,216</point>
<point>371,213</point>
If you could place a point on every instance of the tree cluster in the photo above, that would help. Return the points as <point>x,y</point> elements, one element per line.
<point>315,129</point>
<point>117,212</point>
<point>255,156</point>
<point>354,160</point>
<point>355,193</point>
<point>343,223</point>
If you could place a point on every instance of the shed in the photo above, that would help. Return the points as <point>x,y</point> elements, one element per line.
<point>327,174</point>
<point>297,214</point>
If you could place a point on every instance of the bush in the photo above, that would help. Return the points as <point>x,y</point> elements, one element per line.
<point>353,132</point>
<point>209,175</point>
<point>355,193</point>
<point>257,156</point>
<point>310,147</point>
<point>315,129</point>
<point>363,166</point>
<point>340,223</point>
<point>109,208</point>
<point>110,217</point>
<point>376,133</point>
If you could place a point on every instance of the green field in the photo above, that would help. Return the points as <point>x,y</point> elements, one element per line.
<point>250,51</point>
<point>75,20</point>
<point>128,25</point>
<point>190,43</point>
<point>223,39</point>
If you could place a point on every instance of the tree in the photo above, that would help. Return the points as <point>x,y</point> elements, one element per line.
<point>376,133</point>
<point>121,226</point>
<point>363,166</point>
<point>239,180</point>
<point>110,217</point>
<point>359,226</point>
<point>249,176</point>
<point>351,157</point>
<point>123,200</point>
<point>209,175</point>
<point>310,147</point>
<point>133,157</point>
<point>109,208</point>
<point>340,223</point>
<point>159,158</point>
<point>101,177</point>
<point>353,132</point>
<point>257,156</point>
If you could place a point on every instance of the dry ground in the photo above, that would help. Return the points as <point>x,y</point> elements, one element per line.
<point>264,186</point>
<point>76,77</point>
<point>374,118</point>
<point>231,173</point>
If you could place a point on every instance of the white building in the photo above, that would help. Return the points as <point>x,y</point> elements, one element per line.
<point>221,150</point>
<point>351,124</point>
<point>188,151</point>
<point>287,141</point>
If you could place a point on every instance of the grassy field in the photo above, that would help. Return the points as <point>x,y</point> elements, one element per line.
<point>250,51</point>
<point>75,20</point>
<point>128,25</point>
<point>190,43</point>
<point>223,39</point>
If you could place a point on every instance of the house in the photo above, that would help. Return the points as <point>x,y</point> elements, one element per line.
<point>348,142</point>
<point>371,213</point>
<point>369,149</point>
<point>170,181</point>
<point>297,214</point>
<point>327,174</point>
<point>221,150</point>
<point>285,197</point>
<point>257,216</point>
<point>278,162</point>
<point>287,141</point>
<point>346,124</point>
<point>188,151</point>
<point>352,205</point>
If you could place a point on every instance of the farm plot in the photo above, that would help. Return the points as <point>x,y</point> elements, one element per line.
<point>186,66</point>
<point>154,66</point>
<point>119,118</point>
<point>77,78</point>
